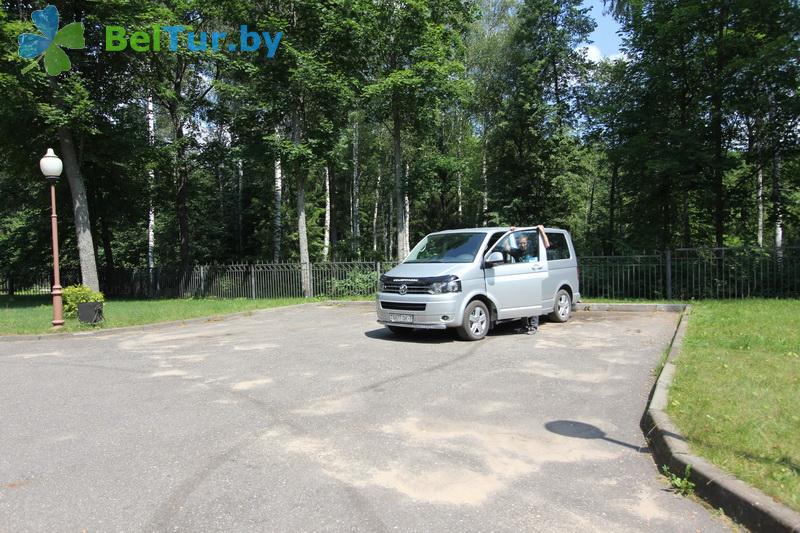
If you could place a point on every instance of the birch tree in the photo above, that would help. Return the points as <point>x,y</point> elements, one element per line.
<point>417,60</point>
<point>63,113</point>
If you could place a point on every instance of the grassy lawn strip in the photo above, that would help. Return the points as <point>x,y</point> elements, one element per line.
<point>33,314</point>
<point>736,393</point>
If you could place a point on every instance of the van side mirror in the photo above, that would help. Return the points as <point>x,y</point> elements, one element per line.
<point>494,258</point>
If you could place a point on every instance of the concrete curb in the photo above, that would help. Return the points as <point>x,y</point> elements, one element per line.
<point>740,501</point>
<point>156,325</point>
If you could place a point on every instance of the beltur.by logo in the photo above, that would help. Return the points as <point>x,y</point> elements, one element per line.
<point>117,40</point>
<point>48,44</point>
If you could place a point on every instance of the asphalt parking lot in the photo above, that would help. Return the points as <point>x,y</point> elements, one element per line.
<point>315,418</point>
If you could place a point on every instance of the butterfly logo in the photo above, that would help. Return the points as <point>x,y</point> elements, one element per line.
<point>48,45</point>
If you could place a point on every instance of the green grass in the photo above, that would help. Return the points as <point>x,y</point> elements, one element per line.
<point>736,393</point>
<point>33,314</point>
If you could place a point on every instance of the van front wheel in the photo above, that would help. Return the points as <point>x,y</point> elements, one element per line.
<point>476,321</point>
<point>563,306</point>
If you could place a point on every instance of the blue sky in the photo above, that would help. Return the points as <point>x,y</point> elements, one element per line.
<point>605,36</point>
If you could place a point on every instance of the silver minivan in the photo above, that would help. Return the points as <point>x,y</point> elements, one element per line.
<point>473,279</point>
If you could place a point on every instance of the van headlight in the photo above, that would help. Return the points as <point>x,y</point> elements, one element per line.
<point>452,284</point>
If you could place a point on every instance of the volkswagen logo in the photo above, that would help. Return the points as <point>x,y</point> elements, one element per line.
<point>403,289</point>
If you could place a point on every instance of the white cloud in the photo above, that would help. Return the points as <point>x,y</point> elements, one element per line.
<point>619,56</point>
<point>592,52</point>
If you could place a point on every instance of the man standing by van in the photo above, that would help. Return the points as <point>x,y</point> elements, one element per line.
<point>529,253</point>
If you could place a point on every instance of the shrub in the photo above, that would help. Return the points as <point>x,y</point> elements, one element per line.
<point>222,286</point>
<point>78,294</point>
<point>356,283</point>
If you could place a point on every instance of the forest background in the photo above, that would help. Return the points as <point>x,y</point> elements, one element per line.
<point>379,121</point>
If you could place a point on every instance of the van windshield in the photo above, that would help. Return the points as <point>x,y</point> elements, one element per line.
<point>446,248</point>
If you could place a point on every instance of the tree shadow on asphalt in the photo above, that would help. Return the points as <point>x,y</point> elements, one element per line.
<point>582,430</point>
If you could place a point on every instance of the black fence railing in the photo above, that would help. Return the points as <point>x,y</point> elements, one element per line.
<point>682,274</point>
<point>694,273</point>
<point>258,280</point>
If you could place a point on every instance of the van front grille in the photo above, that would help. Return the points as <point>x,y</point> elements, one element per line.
<point>402,306</point>
<point>410,289</point>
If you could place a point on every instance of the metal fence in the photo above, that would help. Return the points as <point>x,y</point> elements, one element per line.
<point>682,273</point>
<point>694,273</point>
<point>258,280</point>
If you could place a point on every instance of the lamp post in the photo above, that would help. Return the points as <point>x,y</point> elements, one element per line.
<point>51,166</point>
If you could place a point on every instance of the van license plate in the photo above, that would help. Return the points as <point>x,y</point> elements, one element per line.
<point>407,319</point>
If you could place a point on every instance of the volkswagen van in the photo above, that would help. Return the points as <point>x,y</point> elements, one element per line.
<point>473,279</point>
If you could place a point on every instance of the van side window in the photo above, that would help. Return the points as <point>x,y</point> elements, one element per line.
<point>519,247</point>
<point>559,249</point>
<point>493,239</point>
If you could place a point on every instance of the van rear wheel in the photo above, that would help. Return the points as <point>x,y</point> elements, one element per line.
<point>476,322</point>
<point>563,306</point>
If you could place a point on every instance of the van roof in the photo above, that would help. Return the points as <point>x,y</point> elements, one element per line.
<point>491,229</point>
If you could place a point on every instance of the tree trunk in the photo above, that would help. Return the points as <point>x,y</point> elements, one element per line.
<point>182,186</point>
<point>356,194</point>
<point>459,191</point>
<point>556,88</point>
<point>302,237</point>
<point>334,235</point>
<point>612,205</point>
<point>717,185</point>
<point>399,188</point>
<point>716,133</point>
<point>754,150</point>
<point>80,204</point>
<point>108,252</point>
<point>375,213</point>
<point>687,230</point>
<point>460,198</point>
<point>666,213</point>
<point>80,208</point>
<point>485,180</point>
<point>239,216</point>
<point>151,213</point>
<point>684,179</point>
<point>391,216</point>
<point>406,214</point>
<point>760,203</point>
<point>326,244</point>
<point>220,194</point>
<point>302,229</point>
<point>590,209</point>
<point>276,210</point>
<point>777,203</point>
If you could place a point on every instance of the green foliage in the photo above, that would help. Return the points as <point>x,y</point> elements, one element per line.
<point>534,159</point>
<point>478,112</point>
<point>222,285</point>
<point>682,485</point>
<point>78,294</point>
<point>355,283</point>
